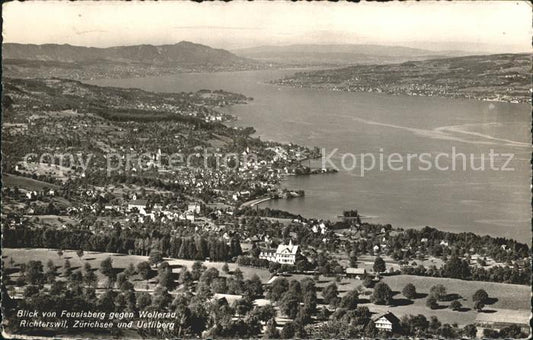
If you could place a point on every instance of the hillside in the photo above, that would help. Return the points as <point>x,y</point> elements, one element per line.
<point>78,62</point>
<point>181,53</point>
<point>501,77</point>
<point>335,54</point>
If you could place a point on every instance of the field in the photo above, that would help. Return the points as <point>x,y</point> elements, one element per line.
<point>120,262</point>
<point>25,183</point>
<point>55,221</point>
<point>508,301</point>
<point>507,296</point>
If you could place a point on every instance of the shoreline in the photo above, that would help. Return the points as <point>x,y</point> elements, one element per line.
<point>255,202</point>
<point>258,201</point>
<point>326,88</point>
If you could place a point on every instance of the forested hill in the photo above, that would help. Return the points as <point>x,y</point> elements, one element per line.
<point>78,62</point>
<point>501,77</point>
<point>183,52</point>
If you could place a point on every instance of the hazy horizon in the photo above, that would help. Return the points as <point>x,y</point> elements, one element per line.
<point>496,27</point>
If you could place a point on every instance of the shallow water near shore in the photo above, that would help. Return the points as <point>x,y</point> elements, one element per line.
<point>484,201</point>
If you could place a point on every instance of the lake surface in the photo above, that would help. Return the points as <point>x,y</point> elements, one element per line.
<point>483,201</point>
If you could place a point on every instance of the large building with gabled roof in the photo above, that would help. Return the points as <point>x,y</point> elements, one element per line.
<point>284,254</point>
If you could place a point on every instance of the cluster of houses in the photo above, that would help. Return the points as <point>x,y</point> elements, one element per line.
<point>145,211</point>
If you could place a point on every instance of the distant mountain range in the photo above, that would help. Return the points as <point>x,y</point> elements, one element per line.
<point>341,54</point>
<point>77,62</point>
<point>181,53</point>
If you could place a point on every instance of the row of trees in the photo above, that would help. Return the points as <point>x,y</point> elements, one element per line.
<point>195,248</point>
<point>459,268</point>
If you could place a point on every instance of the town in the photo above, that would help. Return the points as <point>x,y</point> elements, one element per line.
<point>500,78</point>
<point>194,240</point>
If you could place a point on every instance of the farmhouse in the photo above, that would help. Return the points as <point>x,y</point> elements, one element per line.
<point>355,272</point>
<point>140,205</point>
<point>194,208</point>
<point>387,322</point>
<point>284,254</point>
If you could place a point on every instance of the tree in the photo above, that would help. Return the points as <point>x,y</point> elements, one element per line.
<point>34,272</point>
<point>209,275</point>
<point>350,300</point>
<point>225,268</point>
<point>197,269</point>
<point>219,285</point>
<point>296,289</point>
<point>278,289</point>
<point>243,306</point>
<point>353,258</point>
<point>130,270</point>
<point>203,291</point>
<point>418,324</point>
<point>370,330</point>
<point>106,268</point>
<point>304,316</point>
<point>271,332</point>
<point>79,252</point>
<point>456,305</point>
<point>185,277</point>
<point>431,302</point>
<point>456,268</point>
<point>287,332</point>
<point>106,302</point>
<point>30,291</point>
<point>438,291</point>
<point>480,298</point>
<point>254,287</point>
<point>470,331</point>
<point>447,331</point>
<point>330,294</point>
<point>144,300</point>
<point>434,323</point>
<point>67,268</point>
<point>161,298</point>
<point>264,313</point>
<point>121,278</point>
<point>144,269</point>
<point>273,267</point>
<point>368,282</point>
<point>379,265</point>
<point>511,332</point>
<point>310,299</point>
<point>382,294</point>
<point>50,271</point>
<point>90,278</point>
<point>409,291</point>
<point>290,305</point>
<point>164,276</point>
<point>155,257</point>
<point>480,295</point>
<point>489,333</point>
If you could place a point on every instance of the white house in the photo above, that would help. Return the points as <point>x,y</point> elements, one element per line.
<point>140,205</point>
<point>284,254</point>
<point>194,208</point>
<point>355,272</point>
<point>387,322</point>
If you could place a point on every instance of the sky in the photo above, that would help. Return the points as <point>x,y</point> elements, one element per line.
<point>491,26</point>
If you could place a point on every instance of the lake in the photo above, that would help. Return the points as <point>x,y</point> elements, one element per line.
<point>486,201</point>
